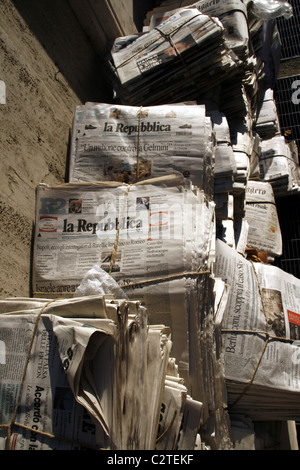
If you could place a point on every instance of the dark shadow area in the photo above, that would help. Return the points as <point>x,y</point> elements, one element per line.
<point>140,9</point>
<point>60,34</point>
<point>289,219</point>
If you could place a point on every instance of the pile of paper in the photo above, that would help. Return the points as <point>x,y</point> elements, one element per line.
<point>260,332</point>
<point>225,163</point>
<point>129,144</point>
<point>156,239</point>
<point>181,58</point>
<point>279,165</point>
<point>264,232</point>
<point>267,122</point>
<point>82,386</point>
<point>232,14</point>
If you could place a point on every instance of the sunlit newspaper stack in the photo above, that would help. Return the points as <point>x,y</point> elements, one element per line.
<point>264,232</point>
<point>232,14</point>
<point>70,379</point>
<point>156,238</point>
<point>279,165</point>
<point>129,144</point>
<point>178,60</point>
<point>260,337</point>
<point>267,122</point>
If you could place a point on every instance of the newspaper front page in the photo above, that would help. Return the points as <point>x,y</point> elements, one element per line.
<point>261,214</point>
<point>128,143</point>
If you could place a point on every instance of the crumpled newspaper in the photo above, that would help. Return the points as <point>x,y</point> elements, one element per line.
<point>271,9</point>
<point>99,282</point>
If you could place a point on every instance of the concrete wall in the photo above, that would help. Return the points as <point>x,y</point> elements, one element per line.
<point>51,61</point>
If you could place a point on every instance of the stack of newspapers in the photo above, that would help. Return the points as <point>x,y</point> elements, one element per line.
<point>129,144</point>
<point>76,382</point>
<point>232,14</point>
<point>177,60</point>
<point>156,239</point>
<point>260,337</point>
<point>150,314</point>
<point>267,121</point>
<point>279,165</point>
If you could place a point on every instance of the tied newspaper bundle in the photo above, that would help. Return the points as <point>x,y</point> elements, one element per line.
<point>260,337</point>
<point>241,89</point>
<point>231,13</point>
<point>279,165</point>
<point>156,239</point>
<point>177,60</point>
<point>129,144</point>
<point>267,121</point>
<point>72,381</point>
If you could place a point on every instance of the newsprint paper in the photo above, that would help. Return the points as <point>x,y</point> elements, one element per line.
<point>131,143</point>
<point>264,232</point>
<point>260,334</point>
<point>156,239</point>
<point>151,231</point>
<point>71,379</point>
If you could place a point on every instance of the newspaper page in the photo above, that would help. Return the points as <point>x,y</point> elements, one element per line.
<point>76,227</point>
<point>47,403</point>
<point>70,398</point>
<point>264,232</point>
<point>128,143</point>
<point>263,300</point>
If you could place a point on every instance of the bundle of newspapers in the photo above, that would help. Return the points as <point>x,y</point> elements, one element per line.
<point>232,14</point>
<point>267,121</point>
<point>177,60</point>
<point>279,165</point>
<point>70,378</point>
<point>241,88</point>
<point>156,239</point>
<point>129,144</point>
<point>260,337</point>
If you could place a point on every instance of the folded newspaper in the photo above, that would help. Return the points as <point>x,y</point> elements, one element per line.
<point>72,380</point>
<point>178,60</point>
<point>129,144</point>
<point>261,214</point>
<point>260,337</point>
<point>279,165</point>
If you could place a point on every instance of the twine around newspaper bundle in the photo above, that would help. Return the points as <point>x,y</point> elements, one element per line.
<point>13,421</point>
<point>165,36</point>
<point>169,277</point>
<point>265,333</point>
